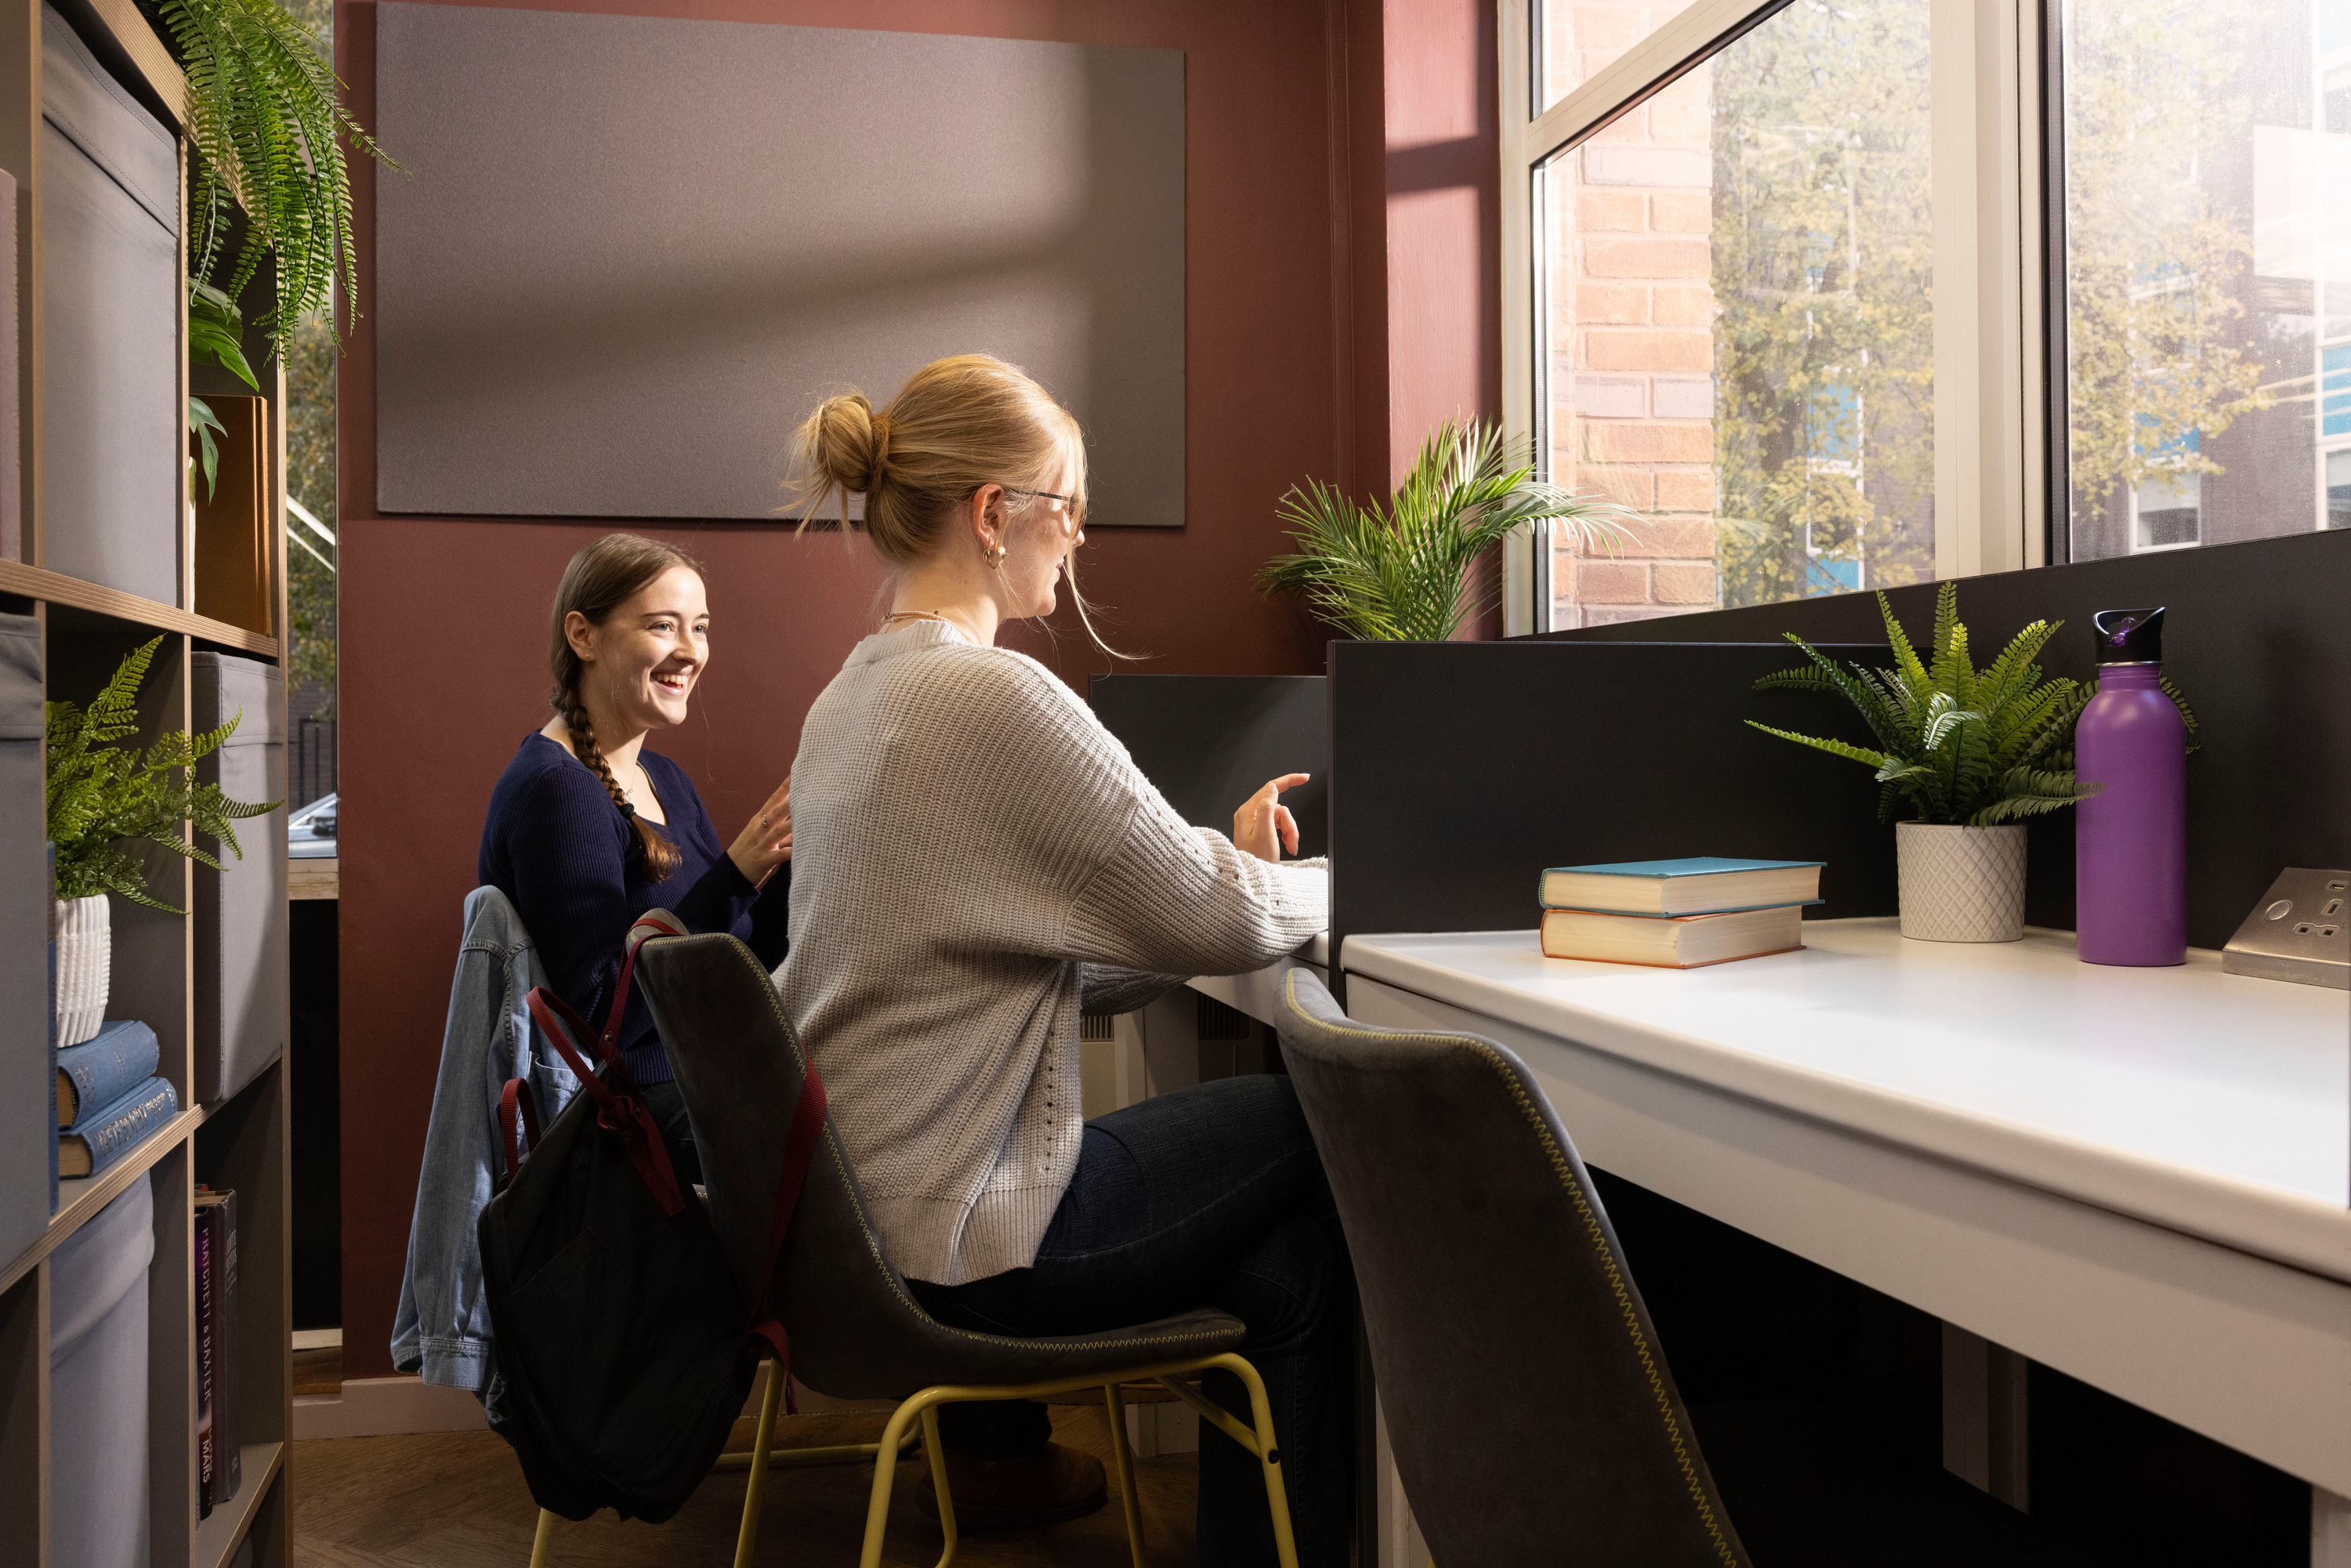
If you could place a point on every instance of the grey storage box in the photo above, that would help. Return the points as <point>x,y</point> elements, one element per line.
<point>241,915</point>
<point>98,1386</point>
<point>27,1116</point>
<point>112,430</point>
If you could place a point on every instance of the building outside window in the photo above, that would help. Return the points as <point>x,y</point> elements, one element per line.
<point>1740,342</point>
<point>1739,312</point>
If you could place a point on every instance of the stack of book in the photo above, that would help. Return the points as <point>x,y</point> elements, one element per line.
<point>108,1097</point>
<point>218,1472</point>
<point>1677,915</point>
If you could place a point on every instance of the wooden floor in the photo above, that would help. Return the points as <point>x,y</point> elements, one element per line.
<point>456,1500</point>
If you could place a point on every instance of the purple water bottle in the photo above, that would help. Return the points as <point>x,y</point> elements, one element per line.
<point>2131,840</point>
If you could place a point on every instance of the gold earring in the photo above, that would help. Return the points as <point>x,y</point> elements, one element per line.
<point>995,557</point>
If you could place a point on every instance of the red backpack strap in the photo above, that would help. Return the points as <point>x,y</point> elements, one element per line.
<point>800,1153</point>
<point>515,1106</point>
<point>623,1115</point>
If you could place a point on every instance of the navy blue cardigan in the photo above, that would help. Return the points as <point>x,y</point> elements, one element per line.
<point>558,848</point>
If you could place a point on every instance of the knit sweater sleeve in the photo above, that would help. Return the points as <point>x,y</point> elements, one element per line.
<point>1154,893</point>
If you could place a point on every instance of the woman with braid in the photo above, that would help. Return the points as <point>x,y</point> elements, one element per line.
<point>587,828</point>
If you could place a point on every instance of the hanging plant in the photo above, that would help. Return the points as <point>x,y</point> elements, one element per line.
<point>269,128</point>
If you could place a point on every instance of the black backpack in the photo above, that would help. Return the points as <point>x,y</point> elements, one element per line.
<point>623,1347</point>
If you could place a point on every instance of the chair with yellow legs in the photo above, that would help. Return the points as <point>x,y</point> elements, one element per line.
<point>757,1460</point>
<point>856,1332</point>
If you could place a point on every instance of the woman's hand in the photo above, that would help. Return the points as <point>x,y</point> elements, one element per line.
<point>1263,826</point>
<point>765,843</point>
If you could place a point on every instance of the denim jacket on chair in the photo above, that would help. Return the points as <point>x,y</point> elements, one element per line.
<point>443,1326</point>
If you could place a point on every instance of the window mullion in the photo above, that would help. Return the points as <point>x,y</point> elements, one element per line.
<point>1988,348</point>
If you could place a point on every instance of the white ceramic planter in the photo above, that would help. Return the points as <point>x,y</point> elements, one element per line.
<point>85,965</point>
<point>1961,884</point>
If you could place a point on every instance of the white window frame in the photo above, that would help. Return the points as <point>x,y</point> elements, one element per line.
<point>1992,346</point>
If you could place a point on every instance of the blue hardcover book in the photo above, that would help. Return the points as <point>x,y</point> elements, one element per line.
<point>1703,885</point>
<point>119,1057</point>
<point>109,1133</point>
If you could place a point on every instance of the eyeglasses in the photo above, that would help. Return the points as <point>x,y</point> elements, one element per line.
<point>1075,507</point>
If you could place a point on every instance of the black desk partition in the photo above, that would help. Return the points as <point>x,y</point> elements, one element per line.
<point>1211,741</point>
<point>2258,634</point>
<point>1462,770</point>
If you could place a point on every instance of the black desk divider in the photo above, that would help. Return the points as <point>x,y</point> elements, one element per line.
<point>1462,770</point>
<point>2259,636</point>
<point>1211,741</point>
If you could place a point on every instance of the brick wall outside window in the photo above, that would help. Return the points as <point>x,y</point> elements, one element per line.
<point>1630,380</point>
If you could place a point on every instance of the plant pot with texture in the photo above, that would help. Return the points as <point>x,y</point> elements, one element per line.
<point>84,965</point>
<point>1961,883</point>
<point>1974,751</point>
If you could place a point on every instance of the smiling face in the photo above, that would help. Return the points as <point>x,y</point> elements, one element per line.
<point>643,659</point>
<point>1038,536</point>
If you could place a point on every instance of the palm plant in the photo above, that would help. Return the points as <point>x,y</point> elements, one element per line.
<point>1965,746</point>
<point>1399,572</point>
<point>269,128</point>
<point>101,792</point>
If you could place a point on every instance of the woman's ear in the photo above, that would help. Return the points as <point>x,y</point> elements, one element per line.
<point>988,516</point>
<point>581,633</point>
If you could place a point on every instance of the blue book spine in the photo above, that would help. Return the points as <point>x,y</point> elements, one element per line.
<point>110,1133</point>
<point>119,1057</point>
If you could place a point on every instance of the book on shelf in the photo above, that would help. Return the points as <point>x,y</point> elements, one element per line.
<point>1704,885</point>
<point>1672,941</point>
<point>105,1134</point>
<point>218,1472</point>
<point>121,1056</point>
<point>204,1341</point>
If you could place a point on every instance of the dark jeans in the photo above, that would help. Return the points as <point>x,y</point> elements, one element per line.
<point>1211,1195</point>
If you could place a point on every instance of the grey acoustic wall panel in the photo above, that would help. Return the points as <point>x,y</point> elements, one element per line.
<point>241,919</point>
<point>111,432</point>
<point>632,254</point>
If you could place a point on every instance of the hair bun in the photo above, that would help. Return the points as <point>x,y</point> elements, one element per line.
<point>851,442</point>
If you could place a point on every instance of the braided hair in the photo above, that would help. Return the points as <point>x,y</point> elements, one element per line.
<point>601,579</point>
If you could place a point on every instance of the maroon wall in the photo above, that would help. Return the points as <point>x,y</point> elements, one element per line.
<point>1340,296</point>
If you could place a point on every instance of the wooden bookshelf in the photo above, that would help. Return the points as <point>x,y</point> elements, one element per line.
<point>52,588</point>
<point>241,1142</point>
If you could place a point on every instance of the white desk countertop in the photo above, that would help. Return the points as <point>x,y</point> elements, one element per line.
<point>2211,1103</point>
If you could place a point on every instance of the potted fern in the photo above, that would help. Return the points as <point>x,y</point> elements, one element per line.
<point>1974,752</point>
<point>102,793</point>
<point>1400,572</point>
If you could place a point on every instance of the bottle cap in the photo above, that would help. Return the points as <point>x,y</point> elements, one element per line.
<point>2129,636</point>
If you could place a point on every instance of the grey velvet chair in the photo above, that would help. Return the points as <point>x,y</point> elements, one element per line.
<point>856,1332</point>
<point>1534,1417</point>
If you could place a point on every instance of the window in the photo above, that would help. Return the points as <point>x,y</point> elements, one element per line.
<point>1840,295</point>
<point>1737,321</point>
<point>2207,280</point>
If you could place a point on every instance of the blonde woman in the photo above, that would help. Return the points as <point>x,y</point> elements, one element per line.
<point>976,861</point>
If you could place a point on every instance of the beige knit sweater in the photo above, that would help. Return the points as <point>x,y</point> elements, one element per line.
<point>970,846</point>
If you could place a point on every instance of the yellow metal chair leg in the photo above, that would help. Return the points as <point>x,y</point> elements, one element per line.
<point>543,1541</point>
<point>748,1535</point>
<point>938,1457</point>
<point>1125,1457</point>
<point>885,1472</point>
<point>1260,1441</point>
